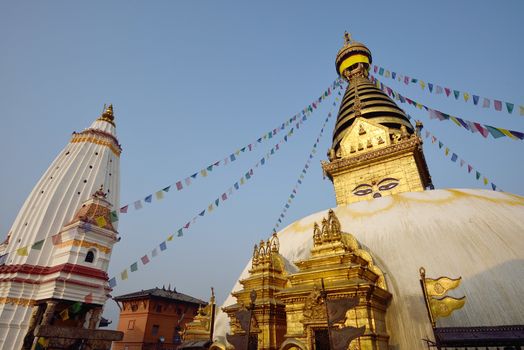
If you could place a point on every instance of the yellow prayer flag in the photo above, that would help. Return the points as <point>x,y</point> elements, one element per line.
<point>445,306</point>
<point>455,120</point>
<point>22,251</point>
<point>419,106</point>
<point>101,221</point>
<point>210,208</point>
<point>440,286</point>
<point>170,238</point>
<point>387,74</point>
<point>422,84</point>
<point>466,96</point>
<point>64,314</point>
<point>242,181</point>
<point>124,275</point>
<point>521,110</point>
<point>486,181</point>
<point>507,133</point>
<point>159,194</point>
<point>447,151</point>
<point>203,172</point>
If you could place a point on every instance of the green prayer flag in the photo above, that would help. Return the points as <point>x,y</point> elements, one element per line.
<point>114,216</point>
<point>134,267</point>
<point>510,106</point>
<point>76,307</point>
<point>38,245</point>
<point>456,93</point>
<point>478,175</point>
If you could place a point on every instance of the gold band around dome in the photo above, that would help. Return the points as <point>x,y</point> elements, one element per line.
<point>351,60</point>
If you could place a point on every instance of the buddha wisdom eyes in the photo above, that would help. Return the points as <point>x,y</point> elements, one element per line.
<point>385,184</point>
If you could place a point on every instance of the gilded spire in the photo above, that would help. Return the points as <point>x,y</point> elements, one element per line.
<point>107,115</point>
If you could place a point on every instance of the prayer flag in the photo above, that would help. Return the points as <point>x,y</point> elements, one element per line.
<point>496,133</point>
<point>134,267</point>
<point>454,157</point>
<point>510,106</point>
<point>456,93</point>
<point>166,189</point>
<point>497,104</point>
<point>38,245</point>
<point>422,84</point>
<point>446,151</point>
<point>448,91</point>
<point>433,139</point>
<point>188,180</point>
<point>236,186</point>
<point>475,99</point>
<point>438,89</point>
<point>232,157</point>
<point>170,237</point>
<point>88,298</point>
<point>76,308</point>
<point>381,71</point>
<point>493,186</point>
<point>210,168</point>
<point>57,239</point>
<point>112,282</point>
<point>469,168</point>
<point>440,144</point>
<point>154,252</point>
<point>486,181</point>
<point>462,162</point>
<point>521,110</point>
<point>477,175</point>
<point>210,208</point>
<point>123,275</point>
<point>466,96</point>
<point>163,246</point>
<point>203,172</point>
<point>180,233</point>
<point>485,103</point>
<point>159,194</point>
<point>138,205</point>
<point>148,199</point>
<point>101,221</point>
<point>114,216</point>
<point>483,131</point>
<point>179,184</point>
<point>145,259</point>
<point>123,210</point>
<point>202,212</point>
<point>430,87</point>
<point>22,251</point>
<point>186,226</point>
<point>64,314</point>
<point>224,196</point>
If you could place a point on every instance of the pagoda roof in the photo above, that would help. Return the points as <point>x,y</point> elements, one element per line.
<point>160,293</point>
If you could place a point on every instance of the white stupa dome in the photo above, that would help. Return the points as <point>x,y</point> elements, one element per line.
<point>476,234</point>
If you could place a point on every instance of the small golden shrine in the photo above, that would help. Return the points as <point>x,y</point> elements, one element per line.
<point>200,329</point>
<point>290,311</point>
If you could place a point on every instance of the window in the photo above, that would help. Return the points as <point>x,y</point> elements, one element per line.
<point>131,324</point>
<point>155,329</point>
<point>90,256</point>
<point>134,307</point>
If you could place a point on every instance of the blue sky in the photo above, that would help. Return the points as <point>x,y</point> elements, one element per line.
<point>193,81</point>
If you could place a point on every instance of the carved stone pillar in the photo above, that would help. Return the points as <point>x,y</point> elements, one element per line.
<point>95,317</point>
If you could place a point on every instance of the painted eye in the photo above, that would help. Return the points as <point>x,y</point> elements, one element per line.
<point>388,186</point>
<point>363,192</point>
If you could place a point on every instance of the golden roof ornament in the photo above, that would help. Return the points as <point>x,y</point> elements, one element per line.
<point>107,115</point>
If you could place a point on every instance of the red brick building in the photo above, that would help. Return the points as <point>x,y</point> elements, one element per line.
<point>154,318</point>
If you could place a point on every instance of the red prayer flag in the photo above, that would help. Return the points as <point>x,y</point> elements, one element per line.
<point>186,226</point>
<point>482,129</point>
<point>179,185</point>
<point>469,168</point>
<point>57,239</point>
<point>144,259</point>
<point>224,196</point>
<point>497,104</point>
<point>124,209</point>
<point>448,91</point>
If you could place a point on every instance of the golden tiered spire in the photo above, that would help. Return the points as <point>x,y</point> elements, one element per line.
<point>107,115</point>
<point>375,150</point>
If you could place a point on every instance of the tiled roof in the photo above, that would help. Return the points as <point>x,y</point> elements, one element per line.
<point>160,293</point>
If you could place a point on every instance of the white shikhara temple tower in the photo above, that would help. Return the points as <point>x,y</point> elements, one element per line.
<point>53,263</point>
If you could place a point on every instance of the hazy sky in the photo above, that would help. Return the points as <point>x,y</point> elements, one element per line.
<point>193,81</point>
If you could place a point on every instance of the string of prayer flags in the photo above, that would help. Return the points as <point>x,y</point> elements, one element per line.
<point>232,189</point>
<point>462,162</point>
<point>204,172</point>
<point>474,127</point>
<point>302,174</point>
<point>498,105</point>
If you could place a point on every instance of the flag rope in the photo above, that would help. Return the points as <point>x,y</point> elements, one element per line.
<point>124,275</point>
<point>439,90</point>
<point>462,162</point>
<point>304,171</point>
<point>474,127</point>
<point>204,172</point>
